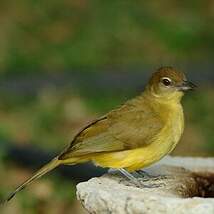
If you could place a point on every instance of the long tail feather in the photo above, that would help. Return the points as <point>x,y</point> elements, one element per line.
<point>45,169</point>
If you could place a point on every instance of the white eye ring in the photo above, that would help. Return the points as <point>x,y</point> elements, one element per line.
<point>166,81</point>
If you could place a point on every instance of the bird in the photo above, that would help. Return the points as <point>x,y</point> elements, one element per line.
<point>134,135</point>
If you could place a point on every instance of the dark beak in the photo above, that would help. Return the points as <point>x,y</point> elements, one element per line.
<point>186,86</point>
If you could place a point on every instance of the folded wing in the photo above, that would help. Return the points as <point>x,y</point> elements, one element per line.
<point>127,127</point>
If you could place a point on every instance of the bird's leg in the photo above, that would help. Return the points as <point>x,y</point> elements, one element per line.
<point>127,174</point>
<point>130,177</point>
<point>142,175</point>
<point>135,181</point>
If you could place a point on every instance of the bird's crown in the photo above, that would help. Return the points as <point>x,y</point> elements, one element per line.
<point>167,74</point>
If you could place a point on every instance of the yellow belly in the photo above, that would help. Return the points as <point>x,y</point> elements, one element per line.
<point>131,160</point>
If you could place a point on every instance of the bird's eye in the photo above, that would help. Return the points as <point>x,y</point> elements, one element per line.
<point>166,81</point>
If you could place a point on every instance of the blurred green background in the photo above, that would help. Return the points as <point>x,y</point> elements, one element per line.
<point>63,63</point>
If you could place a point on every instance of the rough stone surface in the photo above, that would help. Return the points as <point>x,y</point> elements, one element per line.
<point>181,190</point>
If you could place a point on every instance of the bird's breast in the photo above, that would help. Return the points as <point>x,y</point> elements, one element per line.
<point>173,130</point>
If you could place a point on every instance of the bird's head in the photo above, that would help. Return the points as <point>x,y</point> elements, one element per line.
<point>168,83</point>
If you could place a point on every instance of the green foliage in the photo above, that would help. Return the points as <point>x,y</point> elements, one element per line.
<point>59,35</point>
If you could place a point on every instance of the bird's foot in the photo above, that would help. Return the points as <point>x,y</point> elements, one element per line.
<point>146,176</point>
<point>138,181</point>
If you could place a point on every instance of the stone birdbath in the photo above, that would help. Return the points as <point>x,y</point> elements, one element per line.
<point>181,186</point>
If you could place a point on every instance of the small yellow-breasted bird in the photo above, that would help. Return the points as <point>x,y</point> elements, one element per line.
<point>133,136</point>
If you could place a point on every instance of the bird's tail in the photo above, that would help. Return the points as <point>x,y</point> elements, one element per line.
<point>45,169</point>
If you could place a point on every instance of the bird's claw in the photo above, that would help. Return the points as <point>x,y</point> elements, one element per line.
<point>146,177</point>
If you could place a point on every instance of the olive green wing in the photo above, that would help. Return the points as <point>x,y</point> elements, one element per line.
<point>93,138</point>
<point>135,126</point>
<point>127,127</point>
